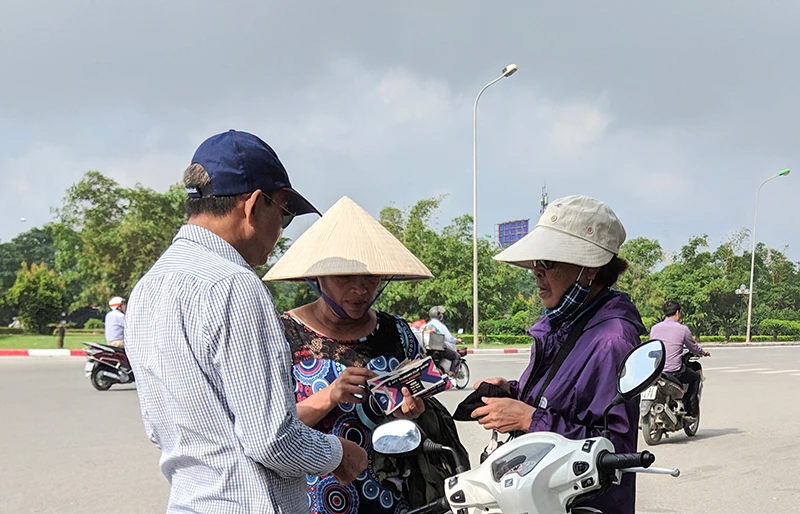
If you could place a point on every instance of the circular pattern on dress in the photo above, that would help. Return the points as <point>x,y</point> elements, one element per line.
<point>371,489</point>
<point>331,496</point>
<point>370,413</point>
<point>378,364</point>
<point>347,426</point>
<point>309,370</point>
<point>386,499</point>
<point>318,385</point>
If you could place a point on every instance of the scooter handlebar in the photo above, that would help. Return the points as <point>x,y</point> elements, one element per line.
<point>611,461</point>
<point>439,506</point>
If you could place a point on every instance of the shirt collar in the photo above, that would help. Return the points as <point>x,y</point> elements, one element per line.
<point>212,241</point>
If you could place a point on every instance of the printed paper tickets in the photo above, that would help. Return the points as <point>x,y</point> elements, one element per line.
<point>421,377</point>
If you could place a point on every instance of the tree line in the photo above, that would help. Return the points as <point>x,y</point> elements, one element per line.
<point>104,237</point>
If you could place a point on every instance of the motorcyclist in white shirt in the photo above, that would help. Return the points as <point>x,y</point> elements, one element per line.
<point>436,314</point>
<point>115,322</point>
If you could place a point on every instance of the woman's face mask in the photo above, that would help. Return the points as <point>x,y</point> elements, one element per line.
<point>571,303</point>
<point>560,290</point>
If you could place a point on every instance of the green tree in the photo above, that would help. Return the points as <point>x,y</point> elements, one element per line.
<point>35,245</point>
<point>108,236</point>
<point>686,280</point>
<point>38,296</point>
<point>448,254</point>
<point>643,255</point>
<point>705,283</point>
<point>776,294</point>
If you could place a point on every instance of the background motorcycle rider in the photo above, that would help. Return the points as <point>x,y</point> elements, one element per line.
<point>675,336</point>
<point>115,322</point>
<point>436,324</point>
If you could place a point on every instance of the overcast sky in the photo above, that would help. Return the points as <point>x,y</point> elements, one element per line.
<point>672,113</point>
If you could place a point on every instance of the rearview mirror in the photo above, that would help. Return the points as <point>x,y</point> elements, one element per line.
<point>397,437</point>
<point>642,365</point>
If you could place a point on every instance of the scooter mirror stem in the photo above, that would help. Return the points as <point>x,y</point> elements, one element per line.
<point>617,400</point>
<point>430,447</point>
<point>459,466</point>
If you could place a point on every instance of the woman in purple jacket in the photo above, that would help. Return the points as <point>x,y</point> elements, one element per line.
<point>572,252</point>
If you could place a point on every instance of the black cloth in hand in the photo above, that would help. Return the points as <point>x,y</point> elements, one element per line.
<point>474,400</point>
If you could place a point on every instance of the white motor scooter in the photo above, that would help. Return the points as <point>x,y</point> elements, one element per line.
<point>540,472</point>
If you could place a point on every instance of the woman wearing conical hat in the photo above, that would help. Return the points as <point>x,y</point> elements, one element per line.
<point>339,341</point>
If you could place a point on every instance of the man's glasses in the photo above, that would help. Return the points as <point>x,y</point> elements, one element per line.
<point>545,265</point>
<point>288,216</point>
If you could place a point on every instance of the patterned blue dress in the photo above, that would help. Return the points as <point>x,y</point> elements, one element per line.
<point>318,361</point>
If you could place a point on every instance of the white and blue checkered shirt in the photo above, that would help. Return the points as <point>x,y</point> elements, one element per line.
<point>214,375</point>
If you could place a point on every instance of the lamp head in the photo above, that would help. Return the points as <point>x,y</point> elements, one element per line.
<point>510,70</point>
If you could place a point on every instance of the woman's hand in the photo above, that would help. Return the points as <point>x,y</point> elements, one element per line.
<point>500,382</point>
<point>351,386</point>
<point>411,408</point>
<point>504,414</point>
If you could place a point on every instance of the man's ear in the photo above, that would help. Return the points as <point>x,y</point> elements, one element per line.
<point>251,204</point>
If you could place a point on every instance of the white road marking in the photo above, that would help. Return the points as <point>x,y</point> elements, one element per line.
<point>778,371</point>
<point>746,370</point>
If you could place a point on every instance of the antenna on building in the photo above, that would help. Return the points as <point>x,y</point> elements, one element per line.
<point>545,199</point>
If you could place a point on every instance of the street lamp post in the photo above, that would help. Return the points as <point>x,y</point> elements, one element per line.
<point>507,72</point>
<point>781,173</point>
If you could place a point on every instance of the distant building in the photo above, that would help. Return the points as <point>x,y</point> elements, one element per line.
<point>510,232</point>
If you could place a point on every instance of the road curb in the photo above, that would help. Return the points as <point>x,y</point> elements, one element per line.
<point>497,351</point>
<point>490,351</point>
<point>749,345</point>
<point>60,352</point>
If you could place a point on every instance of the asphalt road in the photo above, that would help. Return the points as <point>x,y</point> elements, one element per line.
<point>67,448</point>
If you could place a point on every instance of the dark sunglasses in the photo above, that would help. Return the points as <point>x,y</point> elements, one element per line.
<point>545,265</point>
<point>288,216</point>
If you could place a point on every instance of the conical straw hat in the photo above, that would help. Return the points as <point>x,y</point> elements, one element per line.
<point>346,240</point>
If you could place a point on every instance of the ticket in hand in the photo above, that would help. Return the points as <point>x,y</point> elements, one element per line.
<point>421,377</point>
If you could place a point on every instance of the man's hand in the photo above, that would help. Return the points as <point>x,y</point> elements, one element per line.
<point>500,382</point>
<point>706,354</point>
<point>504,415</point>
<point>354,461</point>
<point>411,408</point>
<point>352,382</point>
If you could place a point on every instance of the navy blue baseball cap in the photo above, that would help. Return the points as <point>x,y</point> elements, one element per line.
<point>239,163</point>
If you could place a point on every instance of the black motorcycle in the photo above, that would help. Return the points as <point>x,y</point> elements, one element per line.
<point>662,407</point>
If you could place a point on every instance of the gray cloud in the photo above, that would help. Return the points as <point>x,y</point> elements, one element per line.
<point>673,114</point>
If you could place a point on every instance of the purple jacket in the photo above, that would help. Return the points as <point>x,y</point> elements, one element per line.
<point>586,384</point>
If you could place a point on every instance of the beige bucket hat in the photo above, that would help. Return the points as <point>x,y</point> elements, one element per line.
<point>347,240</point>
<point>575,229</point>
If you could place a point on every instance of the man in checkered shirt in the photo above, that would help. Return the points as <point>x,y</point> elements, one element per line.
<point>211,360</point>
